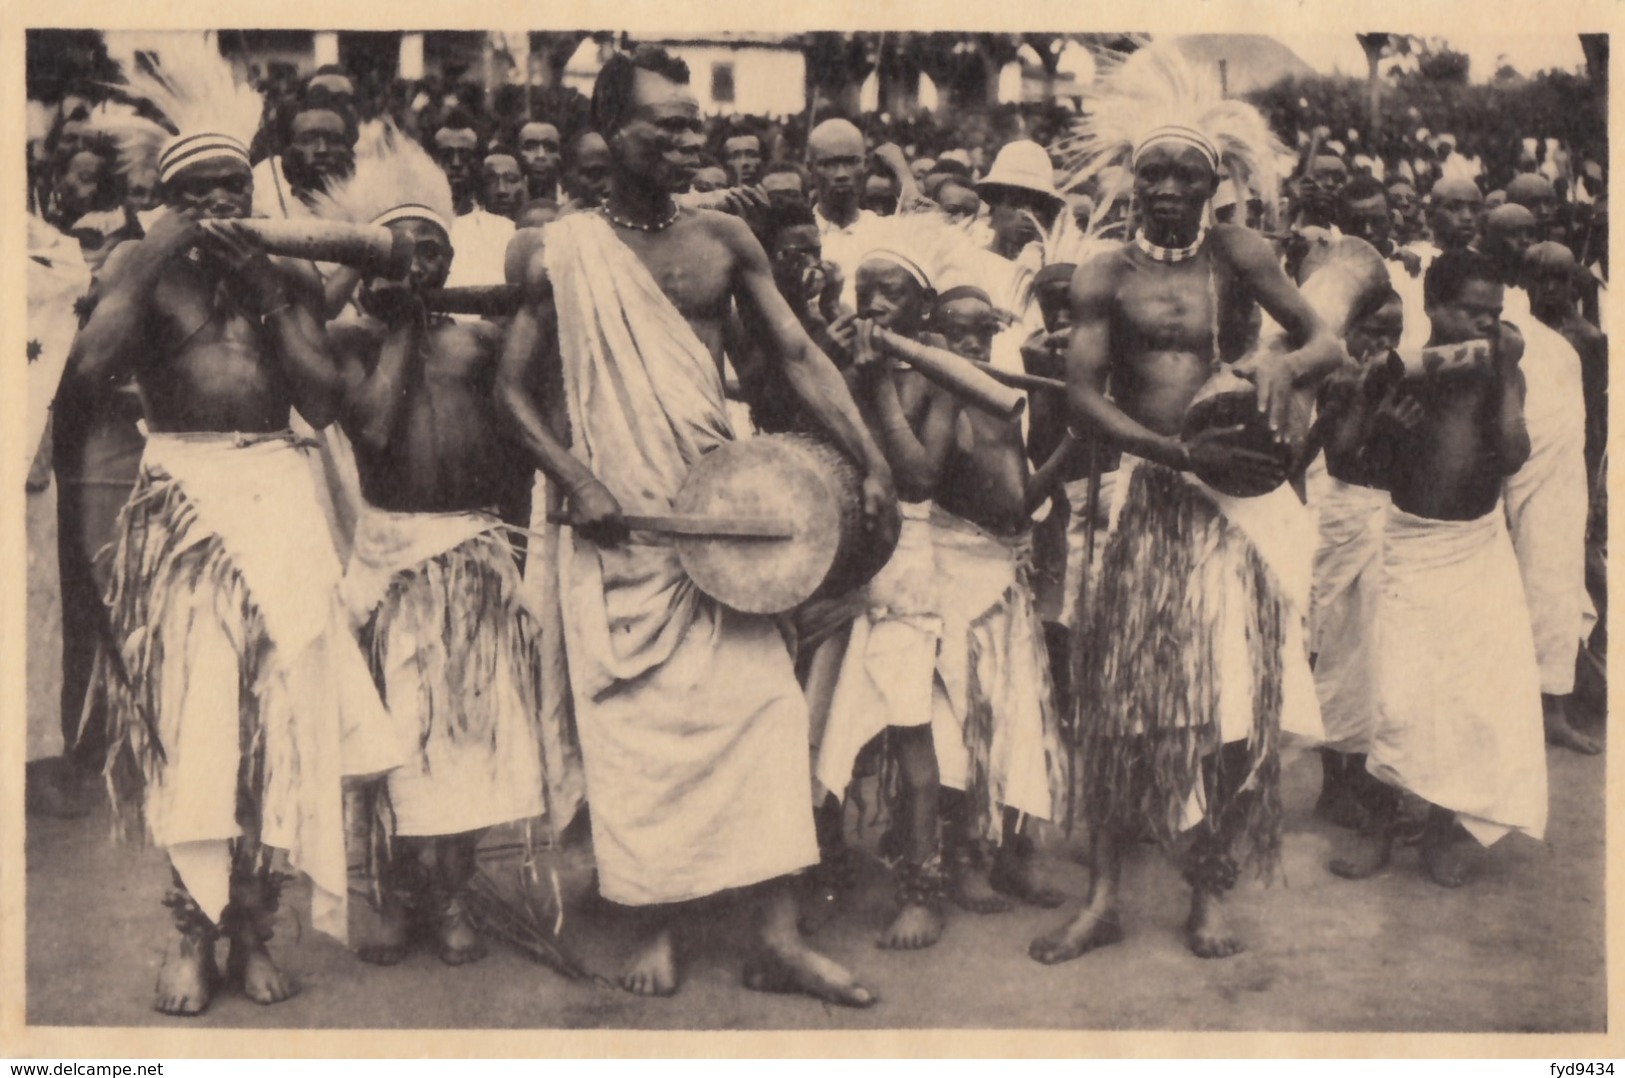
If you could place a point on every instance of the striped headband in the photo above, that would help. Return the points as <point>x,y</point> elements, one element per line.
<point>964,291</point>
<point>183,151</point>
<point>1183,135</point>
<point>898,258</point>
<point>412,211</point>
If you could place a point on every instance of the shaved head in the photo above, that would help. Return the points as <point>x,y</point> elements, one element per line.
<point>1504,219</point>
<point>1457,189</point>
<point>1550,257</point>
<point>1528,188</point>
<point>834,138</point>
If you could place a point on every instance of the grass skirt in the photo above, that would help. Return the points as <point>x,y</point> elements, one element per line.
<point>1178,582</point>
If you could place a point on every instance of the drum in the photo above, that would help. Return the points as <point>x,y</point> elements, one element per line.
<point>802,480</point>
<point>1227,400</point>
<point>1343,278</point>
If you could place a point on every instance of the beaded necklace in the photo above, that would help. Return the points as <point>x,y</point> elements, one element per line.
<point>638,226</point>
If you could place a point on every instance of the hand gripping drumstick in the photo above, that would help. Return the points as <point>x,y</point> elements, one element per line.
<point>695,526</point>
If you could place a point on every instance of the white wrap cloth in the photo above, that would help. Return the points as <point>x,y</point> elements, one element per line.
<point>437,603</point>
<point>1458,692</point>
<point>693,727</point>
<point>1343,605</point>
<point>247,700</point>
<point>888,674</point>
<point>1547,500</point>
<point>996,728</point>
<point>1077,538</point>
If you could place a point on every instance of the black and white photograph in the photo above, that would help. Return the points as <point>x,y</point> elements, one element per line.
<point>827,530</point>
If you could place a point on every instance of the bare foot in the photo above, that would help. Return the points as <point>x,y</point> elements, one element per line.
<point>1368,859</point>
<point>1561,733</point>
<point>1091,929</point>
<point>914,928</point>
<point>653,970</point>
<point>968,886</point>
<point>456,942</point>
<point>795,968</point>
<point>1207,931</point>
<point>187,979</point>
<point>1015,874</point>
<point>1444,862</point>
<point>250,967</point>
<point>390,937</point>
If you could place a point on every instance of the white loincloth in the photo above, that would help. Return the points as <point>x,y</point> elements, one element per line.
<point>995,727</point>
<point>458,659</point>
<point>1343,607</point>
<point>1548,499</point>
<point>693,728</point>
<point>889,668</point>
<point>1077,538</point>
<point>224,604</point>
<point>1458,692</point>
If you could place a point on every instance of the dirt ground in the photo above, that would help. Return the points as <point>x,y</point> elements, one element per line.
<point>1520,950</point>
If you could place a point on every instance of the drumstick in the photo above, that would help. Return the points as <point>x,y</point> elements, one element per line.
<point>956,374</point>
<point>695,526</point>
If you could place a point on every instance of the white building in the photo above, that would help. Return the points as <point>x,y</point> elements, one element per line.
<point>759,74</point>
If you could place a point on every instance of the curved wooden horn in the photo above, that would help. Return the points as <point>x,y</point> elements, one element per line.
<point>373,249</point>
<point>956,374</point>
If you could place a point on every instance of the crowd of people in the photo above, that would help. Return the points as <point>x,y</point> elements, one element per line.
<point>350,573</point>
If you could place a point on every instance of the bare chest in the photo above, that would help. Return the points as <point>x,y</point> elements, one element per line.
<point>693,269</point>
<point>1170,308</point>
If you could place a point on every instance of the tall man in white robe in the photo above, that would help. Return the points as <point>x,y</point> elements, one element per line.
<point>693,728</point>
<point>1548,499</point>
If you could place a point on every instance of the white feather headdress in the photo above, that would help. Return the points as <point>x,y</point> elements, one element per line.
<point>935,250</point>
<point>206,108</point>
<point>1157,95</point>
<point>394,179</point>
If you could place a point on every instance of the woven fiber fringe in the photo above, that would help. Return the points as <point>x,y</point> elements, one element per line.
<point>1146,675</point>
<point>462,615</point>
<point>1017,605</point>
<point>158,563</point>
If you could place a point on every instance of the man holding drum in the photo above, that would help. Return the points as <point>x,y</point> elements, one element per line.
<point>1192,653</point>
<point>693,727</point>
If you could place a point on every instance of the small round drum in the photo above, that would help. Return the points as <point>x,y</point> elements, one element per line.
<point>792,477</point>
<point>1228,400</point>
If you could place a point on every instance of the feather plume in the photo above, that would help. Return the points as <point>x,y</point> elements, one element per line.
<point>391,170</point>
<point>1158,87</point>
<point>182,78</point>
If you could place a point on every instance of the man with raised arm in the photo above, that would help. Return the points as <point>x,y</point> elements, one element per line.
<point>1192,657</point>
<point>235,699</point>
<point>693,727</point>
<point>432,585</point>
